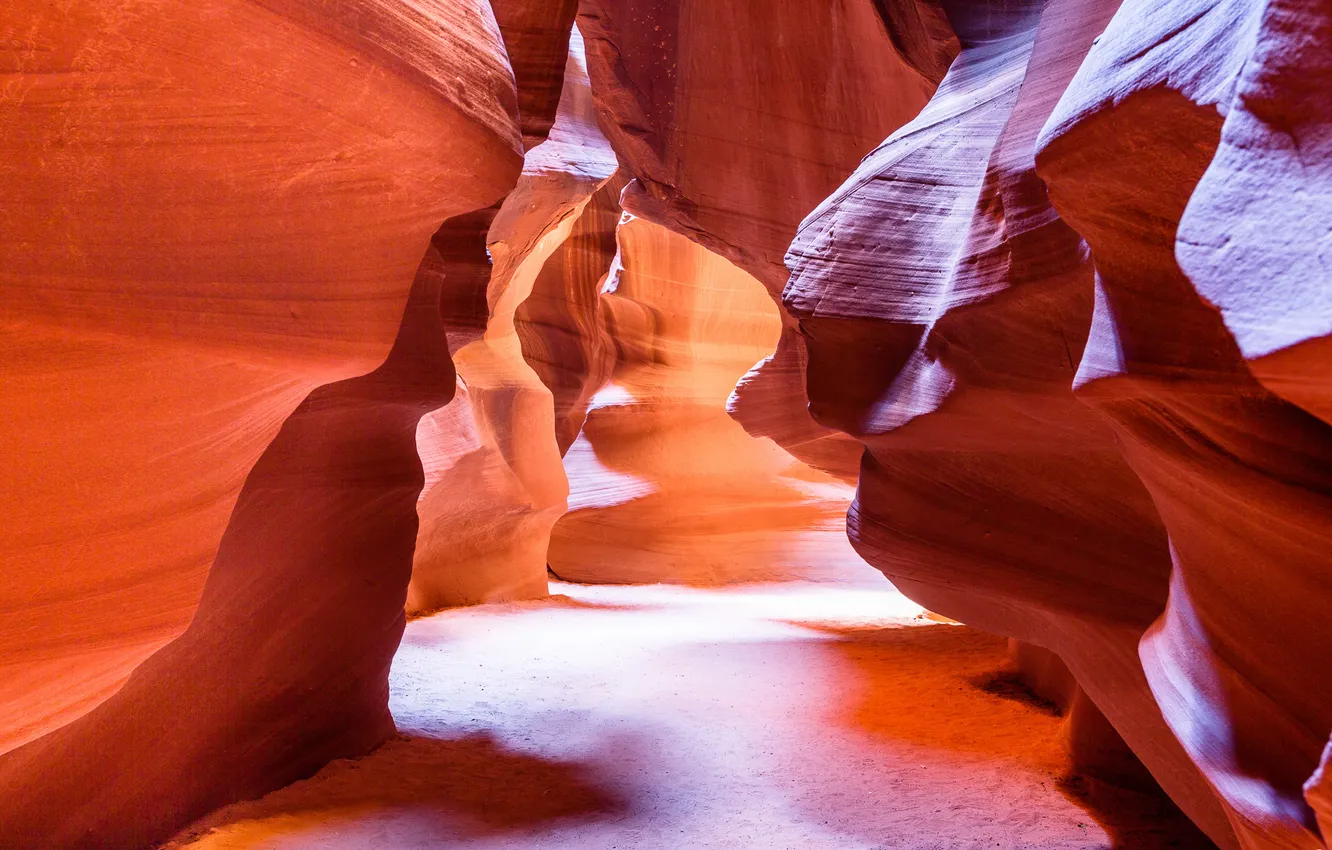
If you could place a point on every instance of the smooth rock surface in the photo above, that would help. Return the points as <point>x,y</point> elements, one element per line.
<point>1240,476</point>
<point>494,480</point>
<point>213,211</point>
<point>285,664</point>
<point>664,485</point>
<point>209,210</point>
<point>736,127</point>
<point>946,307</point>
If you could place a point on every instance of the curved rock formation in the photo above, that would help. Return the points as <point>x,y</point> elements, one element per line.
<point>948,311</point>
<point>945,307</point>
<point>536,37</point>
<point>1241,477</point>
<point>1068,326</point>
<point>1253,236</point>
<point>563,324</point>
<point>285,664</point>
<point>494,481</point>
<point>664,486</point>
<point>1318,791</point>
<point>211,208</point>
<point>736,127</point>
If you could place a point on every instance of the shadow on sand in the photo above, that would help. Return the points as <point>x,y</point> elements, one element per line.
<point>432,789</point>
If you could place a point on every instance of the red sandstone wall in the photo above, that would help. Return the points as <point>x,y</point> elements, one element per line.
<point>1071,313</point>
<point>1076,312</point>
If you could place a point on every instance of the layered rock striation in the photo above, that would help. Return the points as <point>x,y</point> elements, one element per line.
<point>1047,278</point>
<point>1059,234</point>
<point>736,119</point>
<point>494,480</point>
<point>211,209</point>
<point>946,306</point>
<point>664,485</point>
<point>1203,357</point>
<point>216,212</point>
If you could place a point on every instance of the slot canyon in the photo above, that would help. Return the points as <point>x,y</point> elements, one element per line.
<point>666,424</point>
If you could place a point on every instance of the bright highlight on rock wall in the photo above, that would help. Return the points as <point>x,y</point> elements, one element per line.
<point>315,315</point>
<point>1074,314</point>
<point>494,480</point>
<point>664,485</point>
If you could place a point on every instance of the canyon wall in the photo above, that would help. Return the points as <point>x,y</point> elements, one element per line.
<point>215,214</point>
<point>1048,279</point>
<point>494,481</point>
<point>1204,358</point>
<point>736,119</point>
<point>1076,314</point>
<point>945,307</point>
<point>664,485</point>
<point>202,226</point>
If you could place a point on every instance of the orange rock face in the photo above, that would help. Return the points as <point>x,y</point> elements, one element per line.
<point>285,664</point>
<point>736,128</point>
<point>201,227</point>
<point>317,315</point>
<point>664,485</point>
<point>494,480</point>
<point>212,209</point>
<point>563,324</point>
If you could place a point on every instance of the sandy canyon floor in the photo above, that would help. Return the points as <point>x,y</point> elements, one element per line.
<point>773,716</point>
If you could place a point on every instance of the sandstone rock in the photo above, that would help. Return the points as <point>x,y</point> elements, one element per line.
<point>1239,475</point>
<point>562,324</point>
<point>1318,791</point>
<point>203,226</point>
<point>664,486</point>
<point>737,119</point>
<point>1068,327</point>
<point>214,208</point>
<point>536,37</point>
<point>1095,747</point>
<point>1253,236</point>
<point>945,306</point>
<point>285,664</point>
<point>494,481</point>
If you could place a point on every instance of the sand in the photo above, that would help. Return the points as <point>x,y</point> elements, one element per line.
<point>770,716</point>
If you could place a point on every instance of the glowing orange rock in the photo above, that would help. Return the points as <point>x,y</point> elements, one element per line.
<point>494,481</point>
<point>664,486</point>
<point>214,208</point>
<point>563,324</point>
<point>737,119</point>
<point>536,37</point>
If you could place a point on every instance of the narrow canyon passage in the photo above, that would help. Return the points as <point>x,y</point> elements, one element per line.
<point>666,424</point>
<point>796,715</point>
